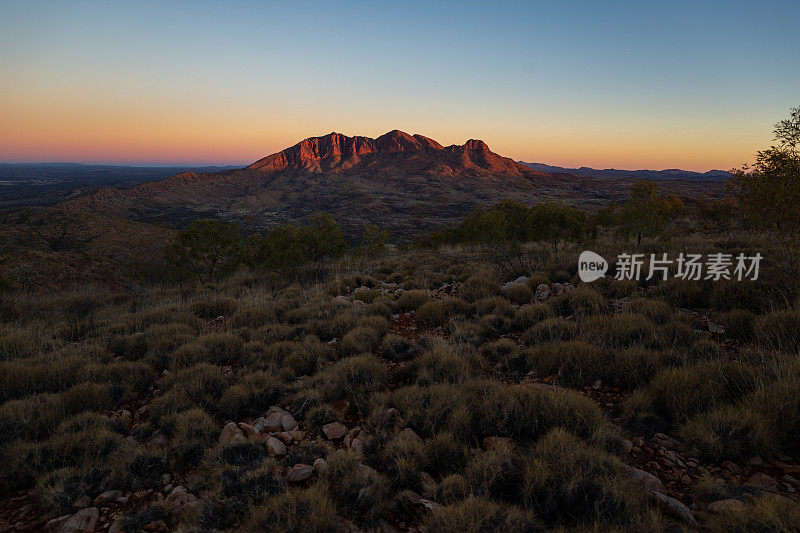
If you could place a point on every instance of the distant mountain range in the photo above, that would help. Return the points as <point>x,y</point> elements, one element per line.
<point>668,174</point>
<point>405,183</point>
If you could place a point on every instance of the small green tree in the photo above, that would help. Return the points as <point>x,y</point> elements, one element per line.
<point>323,238</point>
<point>555,223</point>
<point>643,214</point>
<point>769,191</point>
<point>207,250</point>
<point>374,240</point>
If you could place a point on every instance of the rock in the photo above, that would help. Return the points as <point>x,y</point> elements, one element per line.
<point>274,421</point>
<point>726,505</point>
<point>646,479</point>
<point>597,385</point>
<point>761,480</point>
<point>275,447</point>
<point>789,480</point>
<point>715,329</point>
<point>288,422</point>
<point>365,471</point>
<point>107,496</point>
<point>410,434</point>
<point>358,304</point>
<point>299,472</point>
<point>627,446</point>
<point>667,442</point>
<point>82,502</point>
<point>181,502</point>
<point>250,432</point>
<point>357,446</point>
<point>321,465</point>
<point>83,521</point>
<point>674,507</point>
<point>231,434</point>
<point>166,479</point>
<point>334,430</point>
<point>494,443</point>
<point>542,291</point>
<point>341,300</point>
<point>755,460</point>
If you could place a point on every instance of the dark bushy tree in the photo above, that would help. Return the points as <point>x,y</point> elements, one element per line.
<point>207,250</point>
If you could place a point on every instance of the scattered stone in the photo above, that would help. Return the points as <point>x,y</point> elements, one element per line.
<point>231,434</point>
<point>357,446</point>
<point>646,479</point>
<point>789,480</point>
<point>288,422</point>
<point>334,430</point>
<point>275,447</point>
<point>249,431</point>
<point>83,521</point>
<point>106,497</point>
<point>300,472</point>
<point>181,502</point>
<point>730,504</point>
<point>321,465</point>
<point>410,434</point>
<point>542,291</point>
<point>341,300</point>
<point>674,507</point>
<point>364,470</point>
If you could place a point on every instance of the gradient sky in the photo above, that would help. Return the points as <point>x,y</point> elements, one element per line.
<point>625,84</point>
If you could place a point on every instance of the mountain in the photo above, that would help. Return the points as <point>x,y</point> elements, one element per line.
<point>405,183</point>
<point>668,174</point>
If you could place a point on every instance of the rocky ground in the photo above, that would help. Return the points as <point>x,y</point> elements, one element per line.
<point>657,461</point>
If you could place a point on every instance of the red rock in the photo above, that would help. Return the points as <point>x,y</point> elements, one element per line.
<point>726,505</point>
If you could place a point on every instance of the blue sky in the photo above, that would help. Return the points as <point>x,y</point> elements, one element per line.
<point>625,84</point>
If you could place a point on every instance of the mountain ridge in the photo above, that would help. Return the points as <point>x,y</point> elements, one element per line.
<point>665,174</point>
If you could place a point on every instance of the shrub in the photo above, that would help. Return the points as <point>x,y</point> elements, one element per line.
<point>412,300</point>
<point>738,324</point>
<point>780,330</point>
<point>585,301</point>
<point>18,344</point>
<point>162,339</point>
<point>494,305</point>
<point>446,364</point>
<point>396,348</point>
<point>360,340</point>
<point>297,511</point>
<point>519,293</point>
<point>353,379</point>
<point>575,363</point>
<point>251,395</point>
<point>214,306</point>
<point>731,433</point>
<point>549,330</point>
<point>360,493</point>
<point>221,348</point>
<point>191,432</point>
<point>254,317</point>
<point>656,312</point>
<point>682,293</point>
<point>568,482</point>
<point>479,514</point>
<point>476,288</point>
<point>530,315</point>
<point>620,331</point>
<point>778,403</point>
<point>677,394</point>
<point>766,513</point>
<point>366,294</point>
<point>452,488</point>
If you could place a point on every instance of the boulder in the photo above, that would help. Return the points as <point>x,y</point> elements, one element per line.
<point>674,507</point>
<point>106,497</point>
<point>288,422</point>
<point>321,465</point>
<point>275,447</point>
<point>84,521</point>
<point>181,502</point>
<point>542,291</point>
<point>334,430</point>
<point>299,472</point>
<point>730,504</point>
<point>646,479</point>
<point>410,434</point>
<point>231,434</point>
